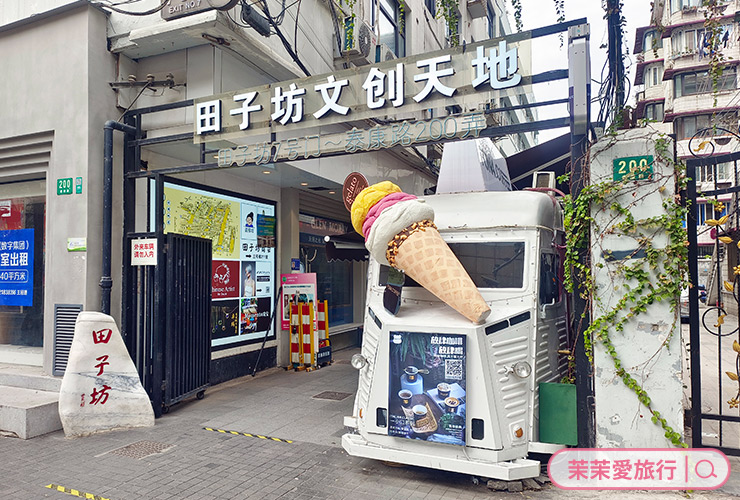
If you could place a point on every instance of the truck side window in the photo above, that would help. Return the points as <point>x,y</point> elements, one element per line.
<point>549,286</point>
<point>489,264</point>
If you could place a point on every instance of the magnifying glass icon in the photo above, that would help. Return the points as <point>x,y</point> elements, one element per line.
<point>711,465</point>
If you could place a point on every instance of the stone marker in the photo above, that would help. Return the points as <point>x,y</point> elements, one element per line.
<point>101,390</point>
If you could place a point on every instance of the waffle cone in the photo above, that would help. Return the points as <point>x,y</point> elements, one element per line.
<point>425,257</point>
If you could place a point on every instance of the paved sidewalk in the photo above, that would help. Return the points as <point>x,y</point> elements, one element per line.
<point>189,462</point>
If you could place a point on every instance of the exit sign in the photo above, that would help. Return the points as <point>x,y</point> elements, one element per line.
<point>65,186</point>
<point>633,168</point>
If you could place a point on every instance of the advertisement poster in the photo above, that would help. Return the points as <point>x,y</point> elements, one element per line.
<point>16,267</point>
<point>297,288</point>
<point>427,387</point>
<point>242,273</point>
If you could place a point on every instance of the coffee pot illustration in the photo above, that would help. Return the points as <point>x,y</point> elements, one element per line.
<point>412,380</point>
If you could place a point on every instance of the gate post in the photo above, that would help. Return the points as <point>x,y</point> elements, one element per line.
<point>579,77</point>
<point>694,338</point>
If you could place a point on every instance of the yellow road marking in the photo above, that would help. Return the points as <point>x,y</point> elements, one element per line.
<point>237,433</point>
<point>77,493</point>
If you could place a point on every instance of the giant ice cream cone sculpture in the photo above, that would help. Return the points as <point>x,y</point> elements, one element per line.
<point>399,231</point>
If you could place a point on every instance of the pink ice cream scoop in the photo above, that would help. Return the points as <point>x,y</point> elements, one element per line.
<point>387,202</point>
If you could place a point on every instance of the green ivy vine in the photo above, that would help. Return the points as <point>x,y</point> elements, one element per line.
<point>658,276</point>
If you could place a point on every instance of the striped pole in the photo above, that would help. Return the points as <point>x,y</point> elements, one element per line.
<point>306,333</point>
<point>295,341</point>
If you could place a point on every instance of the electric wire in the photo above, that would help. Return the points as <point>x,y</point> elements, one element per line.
<point>108,5</point>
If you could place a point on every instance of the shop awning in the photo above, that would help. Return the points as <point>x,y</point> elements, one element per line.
<point>349,246</point>
<point>550,156</point>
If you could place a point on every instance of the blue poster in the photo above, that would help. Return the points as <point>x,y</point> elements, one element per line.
<point>16,267</point>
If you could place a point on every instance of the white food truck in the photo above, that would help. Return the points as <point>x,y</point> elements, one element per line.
<point>438,391</point>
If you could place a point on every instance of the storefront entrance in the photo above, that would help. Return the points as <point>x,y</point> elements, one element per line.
<point>22,229</point>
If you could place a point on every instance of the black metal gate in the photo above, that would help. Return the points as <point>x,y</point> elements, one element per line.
<point>713,348</point>
<point>166,318</point>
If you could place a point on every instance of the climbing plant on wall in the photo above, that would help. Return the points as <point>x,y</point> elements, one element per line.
<point>655,273</point>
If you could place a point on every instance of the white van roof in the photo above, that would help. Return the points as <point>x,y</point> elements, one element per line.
<point>495,209</point>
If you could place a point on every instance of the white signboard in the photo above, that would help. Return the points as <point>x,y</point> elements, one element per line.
<point>144,252</point>
<point>470,77</point>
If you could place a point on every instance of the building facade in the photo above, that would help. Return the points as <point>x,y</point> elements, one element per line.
<point>70,66</point>
<point>676,93</point>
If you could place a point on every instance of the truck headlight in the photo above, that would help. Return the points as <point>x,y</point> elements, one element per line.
<point>358,361</point>
<point>522,369</point>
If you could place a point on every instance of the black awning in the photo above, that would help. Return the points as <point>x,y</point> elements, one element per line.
<point>550,156</point>
<point>348,246</point>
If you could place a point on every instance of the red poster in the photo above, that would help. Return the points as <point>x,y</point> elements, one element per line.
<point>225,279</point>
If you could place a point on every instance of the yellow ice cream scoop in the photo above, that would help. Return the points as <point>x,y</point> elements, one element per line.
<point>369,197</point>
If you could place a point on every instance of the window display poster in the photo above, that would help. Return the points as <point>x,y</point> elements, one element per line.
<point>16,267</point>
<point>297,288</point>
<point>427,387</point>
<point>243,274</point>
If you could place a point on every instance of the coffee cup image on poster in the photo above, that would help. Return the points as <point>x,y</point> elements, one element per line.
<point>427,387</point>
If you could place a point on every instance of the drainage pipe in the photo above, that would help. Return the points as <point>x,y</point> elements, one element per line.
<point>106,282</point>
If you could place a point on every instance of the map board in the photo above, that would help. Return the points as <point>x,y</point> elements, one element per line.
<point>243,267</point>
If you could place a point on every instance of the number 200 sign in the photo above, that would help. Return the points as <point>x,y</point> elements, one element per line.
<point>633,168</point>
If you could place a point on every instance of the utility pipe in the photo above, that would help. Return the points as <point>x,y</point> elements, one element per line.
<point>106,282</point>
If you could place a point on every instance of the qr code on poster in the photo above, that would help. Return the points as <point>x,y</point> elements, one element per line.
<point>454,369</point>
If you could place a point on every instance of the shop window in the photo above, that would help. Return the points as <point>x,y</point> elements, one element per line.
<point>22,228</point>
<point>391,25</point>
<point>333,279</point>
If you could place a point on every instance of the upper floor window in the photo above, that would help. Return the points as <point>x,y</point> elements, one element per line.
<point>677,5</point>
<point>701,82</point>
<point>431,6</point>
<point>452,31</point>
<point>652,41</point>
<point>491,16</point>
<point>686,126</point>
<point>391,25</point>
<point>653,75</point>
<point>654,112</point>
<point>724,173</point>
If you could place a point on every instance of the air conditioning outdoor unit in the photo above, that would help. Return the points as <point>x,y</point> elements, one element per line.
<point>543,180</point>
<point>383,53</point>
<point>477,8</point>
<point>359,42</point>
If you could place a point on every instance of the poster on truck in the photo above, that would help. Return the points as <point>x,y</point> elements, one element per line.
<point>427,386</point>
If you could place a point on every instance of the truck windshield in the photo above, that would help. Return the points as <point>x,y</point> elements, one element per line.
<point>489,264</point>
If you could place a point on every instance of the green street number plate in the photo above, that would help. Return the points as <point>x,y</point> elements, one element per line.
<point>64,186</point>
<point>633,168</point>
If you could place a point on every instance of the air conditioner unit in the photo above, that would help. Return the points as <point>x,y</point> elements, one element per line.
<point>543,180</point>
<point>383,53</point>
<point>477,8</point>
<point>359,42</point>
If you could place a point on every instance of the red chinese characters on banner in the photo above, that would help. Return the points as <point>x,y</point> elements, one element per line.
<point>143,250</point>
